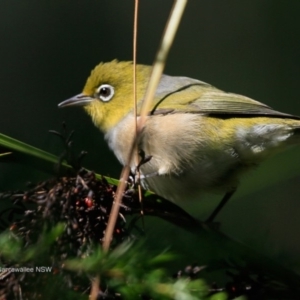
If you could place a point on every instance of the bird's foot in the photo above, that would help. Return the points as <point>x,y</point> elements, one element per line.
<point>144,159</point>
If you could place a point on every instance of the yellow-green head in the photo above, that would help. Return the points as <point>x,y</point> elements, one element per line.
<point>108,93</point>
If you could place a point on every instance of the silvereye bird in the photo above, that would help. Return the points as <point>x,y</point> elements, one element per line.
<point>200,139</point>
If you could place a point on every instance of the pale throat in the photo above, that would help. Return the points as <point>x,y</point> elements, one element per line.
<point>120,138</point>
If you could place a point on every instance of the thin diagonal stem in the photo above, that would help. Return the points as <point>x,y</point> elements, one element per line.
<point>167,40</point>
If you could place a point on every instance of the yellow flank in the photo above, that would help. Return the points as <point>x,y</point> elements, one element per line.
<point>199,138</point>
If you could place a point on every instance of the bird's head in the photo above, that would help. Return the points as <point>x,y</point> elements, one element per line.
<point>108,93</point>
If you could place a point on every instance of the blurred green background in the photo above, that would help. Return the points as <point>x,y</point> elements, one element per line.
<point>251,47</point>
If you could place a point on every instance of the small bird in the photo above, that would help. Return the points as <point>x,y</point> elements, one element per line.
<point>199,139</point>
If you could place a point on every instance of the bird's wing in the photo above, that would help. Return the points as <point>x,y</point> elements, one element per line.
<point>183,94</point>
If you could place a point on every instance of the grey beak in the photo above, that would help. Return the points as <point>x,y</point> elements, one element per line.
<point>78,100</point>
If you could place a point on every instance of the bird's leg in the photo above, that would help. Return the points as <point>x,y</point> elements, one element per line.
<point>144,159</point>
<point>224,200</point>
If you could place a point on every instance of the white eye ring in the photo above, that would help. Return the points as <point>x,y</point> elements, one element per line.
<point>105,92</point>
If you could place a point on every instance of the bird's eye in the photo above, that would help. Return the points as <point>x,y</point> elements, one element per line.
<point>105,92</point>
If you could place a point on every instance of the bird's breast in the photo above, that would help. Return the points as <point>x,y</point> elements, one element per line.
<point>187,155</point>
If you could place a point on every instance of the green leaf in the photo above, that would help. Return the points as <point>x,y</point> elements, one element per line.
<point>222,296</point>
<point>162,258</point>
<point>10,245</point>
<point>17,151</point>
